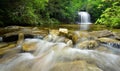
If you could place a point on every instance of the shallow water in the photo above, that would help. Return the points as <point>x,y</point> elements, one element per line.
<point>49,53</point>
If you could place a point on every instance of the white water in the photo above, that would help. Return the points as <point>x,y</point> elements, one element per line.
<point>49,53</point>
<point>84,20</point>
<point>1,39</point>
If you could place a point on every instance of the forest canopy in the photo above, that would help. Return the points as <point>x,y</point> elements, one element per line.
<point>52,12</point>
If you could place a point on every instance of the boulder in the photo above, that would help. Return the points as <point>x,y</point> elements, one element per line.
<point>75,66</point>
<point>89,44</point>
<point>103,49</point>
<point>79,36</point>
<point>55,38</point>
<point>63,30</point>
<point>103,33</point>
<point>29,46</point>
<point>107,40</point>
<point>54,32</point>
<point>6,47</point>
<point>117,35</point>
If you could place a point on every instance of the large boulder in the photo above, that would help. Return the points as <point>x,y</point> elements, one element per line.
<point>107,40</point>
<point>29,46</point>
<point>79,36</point>
<point>103,33</point>
<point>89,44</point>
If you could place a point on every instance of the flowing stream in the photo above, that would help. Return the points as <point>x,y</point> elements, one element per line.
<point>48,54</point>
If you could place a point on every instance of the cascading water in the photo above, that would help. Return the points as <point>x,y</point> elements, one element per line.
<point>84,20</point>
<point>49,53</point>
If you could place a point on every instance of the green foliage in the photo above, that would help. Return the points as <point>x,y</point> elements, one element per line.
<point>110,16</point>
<point>63,10</point>
<point>52,12</point>
<point>93,8</point>
<point>22,12</point>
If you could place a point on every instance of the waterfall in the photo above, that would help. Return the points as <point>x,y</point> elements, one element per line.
<point>84,20</point>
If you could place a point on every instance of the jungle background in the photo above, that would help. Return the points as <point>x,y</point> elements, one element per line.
<point>54,12</point>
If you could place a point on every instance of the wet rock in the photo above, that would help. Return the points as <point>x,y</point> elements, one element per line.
<point>52,38</point>
<point>103,33</point>
<point>63,30</point>
<point>4,49</point>
<point>107,40</point>
<point>28,33</point>
<point>29,46</point>
<point>79,36</point>
<point>75,66</point>
<point>103,49</point>
<point>68,42</point>
<point>117,36</point>
<point>2,44</point>
<point>89,44</point>
<point>40,33</point>
<point>54,32</point>
<point>10,29</point>
<point>55,38</point>
<point>9,37</point>
<point>20,39</point>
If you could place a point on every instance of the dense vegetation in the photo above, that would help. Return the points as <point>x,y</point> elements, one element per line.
<point>51,12</point>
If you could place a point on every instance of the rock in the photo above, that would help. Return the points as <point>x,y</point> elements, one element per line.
<point>117,36</point>
<point>75,66</point>
<point>89,44</point>
<point>103,33</point>
<point>55,38</point>
<point>2,44</point>
<point>63,30</point>
<point>52,38</point>
<point>40,33</point>
<point>107,40</point>
<point>79,36</point>
<point>68,42</point>
<point>29,46</point>
<point>20,39</point>
<point>4,49</point>
<point>54,32</point>
<point>103,49</point>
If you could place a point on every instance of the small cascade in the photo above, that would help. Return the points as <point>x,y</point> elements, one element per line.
<point>84,20</point>
<point>47,54</point>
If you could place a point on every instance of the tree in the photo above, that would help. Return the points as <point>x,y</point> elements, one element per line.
<point>111,15</point>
